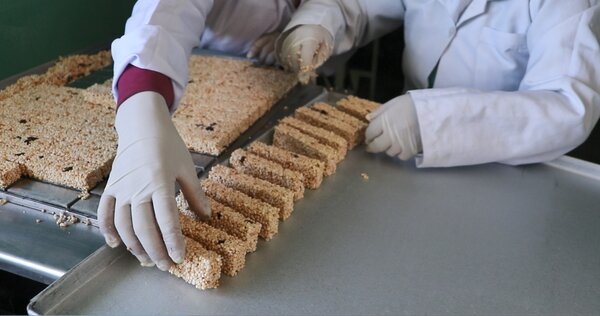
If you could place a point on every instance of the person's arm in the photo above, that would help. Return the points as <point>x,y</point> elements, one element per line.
<point>263,48</point>
<point>554,110</point>
<point>159,36</point>
<point>138,205</point>
<point>324,27</point>
<point>351,23</point>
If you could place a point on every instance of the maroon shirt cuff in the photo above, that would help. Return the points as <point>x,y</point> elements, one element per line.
<point>134,80</point>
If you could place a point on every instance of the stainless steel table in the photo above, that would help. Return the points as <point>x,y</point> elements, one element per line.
<point>42,251</point>
<point>490,239</point>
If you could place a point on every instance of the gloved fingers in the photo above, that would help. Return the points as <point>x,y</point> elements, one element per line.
<point>394,150</point>
<point>254,50</point>
<point>373,115</point>
<point>374,130</point>
<point>194,195</point>
<point>258,45</point>
<point>270,59</point>
<point>293,59</point>
<point>167,217</point>
<point>266,50</point>
<point>379,144</point>
<point>124,226</point>
<point>313,54</point>
<point>288,52</point>
<point>408,147</point>
<point>106,220</point>
<point>405,155</point>
<point>148,232</point>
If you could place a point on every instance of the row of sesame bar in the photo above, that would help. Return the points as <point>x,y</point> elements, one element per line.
<point>325,132</point>
<point>244,206</point>
<point>262,181</point>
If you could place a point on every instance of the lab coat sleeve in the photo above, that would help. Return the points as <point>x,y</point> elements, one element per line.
<point>351,23</point>
<point>554,110</point>
<point>160,36</point>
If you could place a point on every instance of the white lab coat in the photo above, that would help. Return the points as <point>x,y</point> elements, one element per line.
<point>233,26</point>
<point>518,81</point>
<point>160,34</point>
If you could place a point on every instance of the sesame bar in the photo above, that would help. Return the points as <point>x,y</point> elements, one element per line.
<point>235,224</point>
<point>329,110</point>
<point>357,107</point>
<point>259,211</point>
<point>227,220</point>
<point>348,132</point>
<point>324,136</point>
<point>231,249</point>
<point>311,169</point>
<point>278,196</point>
<point>256,166</point>
<point>200,268</point>
<point>293,140</point>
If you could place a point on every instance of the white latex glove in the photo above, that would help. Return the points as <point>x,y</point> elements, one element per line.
<point>138,205</point>
<point>263,49</point>
<point>394,128</point>
<point>304,48</point>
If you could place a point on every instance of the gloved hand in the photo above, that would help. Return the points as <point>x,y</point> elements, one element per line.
<point>304,48</point>
<point>394,128</point>
<point>263,49</point>
<point>138,205</point>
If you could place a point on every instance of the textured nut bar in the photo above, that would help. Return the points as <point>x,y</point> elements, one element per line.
<point>357,107</point>
<point>223,98</point>
<point>324,136</point>
<point>277,196</point>
<point>329,110</point>
<point>231,249</point>
<point>293,140</point>
<point>311,169</point>
<point>261,168</point>
<point>234,224</point>
<point>227,220</point>
<point>348,132</point>
<point>58,137</point>
<point>265,214</point>
<point>344,117</point>
<point>10,172</point>
<point>200,268</point>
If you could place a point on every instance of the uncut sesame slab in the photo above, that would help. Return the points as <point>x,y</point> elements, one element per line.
<point>224,97</point>
<point>57,137</point>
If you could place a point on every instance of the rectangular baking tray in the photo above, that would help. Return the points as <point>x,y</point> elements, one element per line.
<point>383,237</point>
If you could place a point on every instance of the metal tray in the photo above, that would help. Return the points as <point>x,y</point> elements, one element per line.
<point>42,195</point>
<point>382,237</point>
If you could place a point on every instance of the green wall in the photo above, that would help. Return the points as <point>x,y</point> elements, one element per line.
<point>33,32</point>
